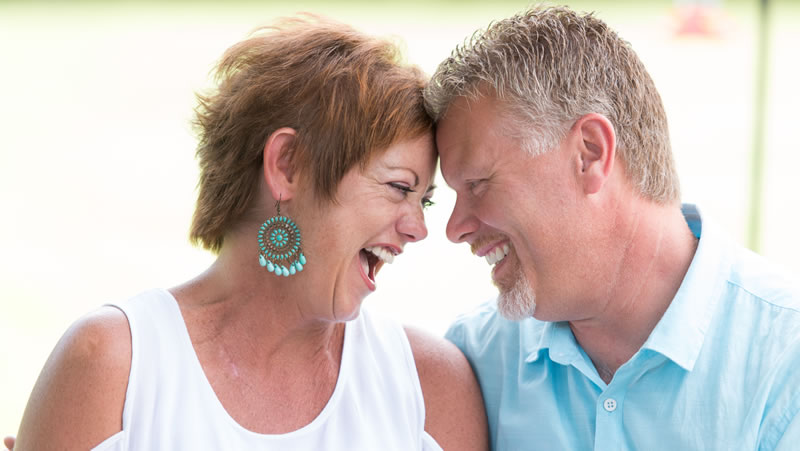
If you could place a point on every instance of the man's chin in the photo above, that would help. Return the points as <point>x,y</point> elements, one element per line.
<point>517,302</point>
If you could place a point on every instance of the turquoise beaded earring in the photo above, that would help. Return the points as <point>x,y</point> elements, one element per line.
<point>279,245</point>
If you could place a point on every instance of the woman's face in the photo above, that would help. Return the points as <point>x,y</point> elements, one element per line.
<point>376,213</point>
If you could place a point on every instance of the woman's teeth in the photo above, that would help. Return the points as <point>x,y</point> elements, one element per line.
<point>497,254</point>
<point>382,253</point>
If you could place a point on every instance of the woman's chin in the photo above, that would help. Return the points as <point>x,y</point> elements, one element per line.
<point>350,313</point>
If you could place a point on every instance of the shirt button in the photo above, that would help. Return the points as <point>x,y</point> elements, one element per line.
<point>610,404</point>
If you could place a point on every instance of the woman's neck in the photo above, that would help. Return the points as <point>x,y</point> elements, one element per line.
<point>238,302</point>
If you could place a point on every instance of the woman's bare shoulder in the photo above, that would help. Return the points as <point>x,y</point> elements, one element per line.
<point>454,412</point>
<point>78,399</point>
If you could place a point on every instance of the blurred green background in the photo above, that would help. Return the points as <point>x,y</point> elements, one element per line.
<point>97,170</point>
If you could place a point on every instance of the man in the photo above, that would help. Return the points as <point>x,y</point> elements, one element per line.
<point>624,320</point>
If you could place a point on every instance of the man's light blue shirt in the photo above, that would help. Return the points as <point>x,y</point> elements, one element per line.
<point>721,369</point>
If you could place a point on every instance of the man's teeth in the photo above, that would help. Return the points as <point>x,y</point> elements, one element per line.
<point>381,252</point>
<point>497,254</point>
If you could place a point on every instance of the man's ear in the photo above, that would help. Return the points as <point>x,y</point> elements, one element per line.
<point>279,173</point>
<point>597,143</point>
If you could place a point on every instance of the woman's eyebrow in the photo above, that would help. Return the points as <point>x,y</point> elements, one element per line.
<point>404,168</point>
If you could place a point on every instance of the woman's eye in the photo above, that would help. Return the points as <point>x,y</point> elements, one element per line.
<point>401,187</point>
<point>427,202</point>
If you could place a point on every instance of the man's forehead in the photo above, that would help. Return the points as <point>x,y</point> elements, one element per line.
<point>467,123</point>
<point>467,107</point>
<point>457,147</point>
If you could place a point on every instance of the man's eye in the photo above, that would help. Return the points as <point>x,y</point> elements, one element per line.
<point>474,184</point>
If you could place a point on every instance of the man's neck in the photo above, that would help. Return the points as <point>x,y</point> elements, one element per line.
<point>659,248</point>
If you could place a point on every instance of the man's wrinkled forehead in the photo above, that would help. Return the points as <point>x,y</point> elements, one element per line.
<point>467,129</point>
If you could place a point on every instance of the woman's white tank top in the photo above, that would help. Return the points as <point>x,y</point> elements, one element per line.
<point>169,405</point>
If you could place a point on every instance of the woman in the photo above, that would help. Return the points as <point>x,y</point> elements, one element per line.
<point>316,159</point>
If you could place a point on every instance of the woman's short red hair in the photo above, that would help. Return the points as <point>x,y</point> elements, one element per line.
<point>348,96</point>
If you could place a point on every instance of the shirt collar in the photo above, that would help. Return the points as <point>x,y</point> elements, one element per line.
<point>556,337</point>
<point>680,333</point>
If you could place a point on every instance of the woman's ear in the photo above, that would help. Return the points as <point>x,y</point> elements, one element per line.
<point>279,173</point>
<point>597,149</point>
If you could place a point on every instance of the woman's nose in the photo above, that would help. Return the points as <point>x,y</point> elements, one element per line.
<point>412,225</point>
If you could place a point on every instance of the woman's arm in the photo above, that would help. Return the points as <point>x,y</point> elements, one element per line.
<point>78,399</point>
<point>454,412</point>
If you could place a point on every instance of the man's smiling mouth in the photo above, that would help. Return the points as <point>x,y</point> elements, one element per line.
<point>497,254</point>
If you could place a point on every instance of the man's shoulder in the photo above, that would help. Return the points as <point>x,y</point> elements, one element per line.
<point>765,280</point>
<point>747,274</point>
<point>485,330</point>
<point>760,313</point>
<point>476,319</point>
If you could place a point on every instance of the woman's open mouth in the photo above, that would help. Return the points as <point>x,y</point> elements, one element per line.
<point>372,259</point>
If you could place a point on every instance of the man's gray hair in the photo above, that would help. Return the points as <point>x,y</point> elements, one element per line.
<point>549,66</point>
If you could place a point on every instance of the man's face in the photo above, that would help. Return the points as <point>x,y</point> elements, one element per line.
<point>515,210</point>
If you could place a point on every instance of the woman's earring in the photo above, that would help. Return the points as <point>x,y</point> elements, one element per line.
<point>279,245</point>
